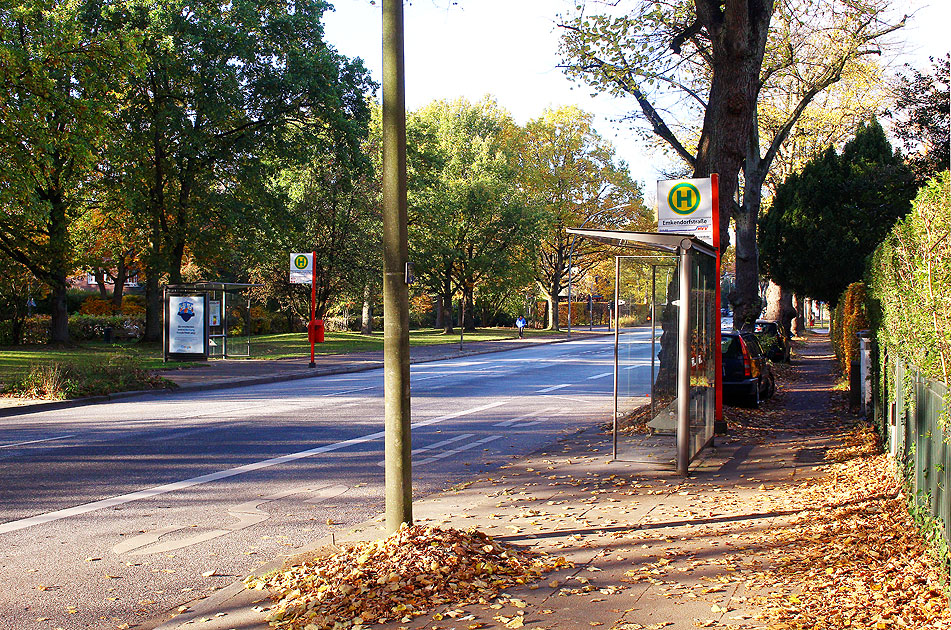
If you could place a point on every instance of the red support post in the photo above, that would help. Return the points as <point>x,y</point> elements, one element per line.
<point>718,422</point>
<point>312,327</point>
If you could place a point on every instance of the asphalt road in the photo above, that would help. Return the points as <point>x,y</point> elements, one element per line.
<point>114,513</point>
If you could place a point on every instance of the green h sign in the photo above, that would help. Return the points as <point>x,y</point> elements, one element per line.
<point>683,198</point>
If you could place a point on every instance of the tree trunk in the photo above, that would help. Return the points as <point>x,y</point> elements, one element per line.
<point>153,307</point>
<point>799,319</point>
<point>100,275</point>
<point>439,312</point>
<point>59,259</point>
<point>446,299</point>
<point>738,33</point>
<point>366,317</point>
<point>468,300</point>
<point>59,322</point>
<point>122,274</point>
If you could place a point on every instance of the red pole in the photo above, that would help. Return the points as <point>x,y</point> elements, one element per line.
<point>719,425</point>
<point>312,329</point>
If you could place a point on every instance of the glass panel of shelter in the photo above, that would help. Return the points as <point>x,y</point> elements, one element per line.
<point>647,296</point>
<point>703,321</point>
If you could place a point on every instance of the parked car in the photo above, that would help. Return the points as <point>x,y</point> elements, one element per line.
<point>747,377</point>
<point>775,344</point>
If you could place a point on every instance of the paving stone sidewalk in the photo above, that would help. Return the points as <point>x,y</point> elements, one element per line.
<point>649,548</point>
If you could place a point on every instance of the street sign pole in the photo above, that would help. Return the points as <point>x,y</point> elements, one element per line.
<point>312,329</point>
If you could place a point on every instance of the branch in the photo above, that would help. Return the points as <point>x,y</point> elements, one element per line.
<point>687,33</point>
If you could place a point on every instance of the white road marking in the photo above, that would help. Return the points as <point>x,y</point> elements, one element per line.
<point>533,414</point>
<point>417,451</point>
<point>148,493</point>
<point>456,414</point>
<point>577,400</point>
<point>530,424</point>
<point>597,376</point>
<point>60,437</point>
<point>247,513</point>
<point>553,388</point>
<point>454,451</point>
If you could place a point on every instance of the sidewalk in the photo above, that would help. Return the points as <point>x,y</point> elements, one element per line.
<point>222,374</point>
<point>649,549</point>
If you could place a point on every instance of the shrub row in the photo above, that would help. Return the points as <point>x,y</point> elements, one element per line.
<point>910,283</point>
<point>36,329</point>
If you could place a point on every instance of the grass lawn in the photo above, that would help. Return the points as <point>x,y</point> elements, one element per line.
<point>17,360</point>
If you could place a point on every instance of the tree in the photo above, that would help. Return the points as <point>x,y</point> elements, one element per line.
<point>824,222</point>
<point>65,67</point>
<point>326,208</point>
<point>468,218</point>
<point>225,87</point>
<point>570,172</point>
<point>715,62</point>
<point>921,111</point>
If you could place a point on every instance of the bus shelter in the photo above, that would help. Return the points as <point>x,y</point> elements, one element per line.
<point>201,318</point>
<point>665,378</point>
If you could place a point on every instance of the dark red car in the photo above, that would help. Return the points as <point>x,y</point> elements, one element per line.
<point>747,377</point>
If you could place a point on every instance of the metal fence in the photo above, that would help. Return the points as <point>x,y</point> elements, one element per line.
<point>917,440</point>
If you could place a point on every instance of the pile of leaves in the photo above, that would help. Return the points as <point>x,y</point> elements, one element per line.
<point>397,578</point>
<point>852,558</point>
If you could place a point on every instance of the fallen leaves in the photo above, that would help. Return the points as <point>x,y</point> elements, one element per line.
<point>400,577</point>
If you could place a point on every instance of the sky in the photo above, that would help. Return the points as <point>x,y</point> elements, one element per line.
<point>509,49</point>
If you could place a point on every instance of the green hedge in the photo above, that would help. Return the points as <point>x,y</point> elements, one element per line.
<point>910,281</point>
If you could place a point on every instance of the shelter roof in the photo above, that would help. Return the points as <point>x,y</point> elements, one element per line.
<point>657,241</point>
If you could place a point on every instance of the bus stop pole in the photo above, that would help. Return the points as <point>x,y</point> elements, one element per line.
<point>311,329</point>
<point>683,361</point>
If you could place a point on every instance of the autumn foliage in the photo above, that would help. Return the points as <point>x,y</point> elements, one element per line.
<point>850,317</point>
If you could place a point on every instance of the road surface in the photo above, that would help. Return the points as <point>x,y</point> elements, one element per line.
<point>114,513</point>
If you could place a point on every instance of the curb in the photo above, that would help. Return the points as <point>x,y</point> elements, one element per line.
<point>242,382</point>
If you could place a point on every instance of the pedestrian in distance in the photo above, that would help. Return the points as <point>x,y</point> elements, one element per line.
<point>520,323</point>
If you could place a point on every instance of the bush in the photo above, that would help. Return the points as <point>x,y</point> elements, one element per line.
<point>910,279</point>
<point>93,327</point>
<point>57,381</point>
<point>851,316</point>
<point>36,329</point>
<point>133,305</point>
<point>97,306</point>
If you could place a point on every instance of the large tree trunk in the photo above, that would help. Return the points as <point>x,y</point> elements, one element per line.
<point>468,301</point>
<point>738,33</point>
<point>122,274</point>
<point>439,313</point>
<point>446,299</point>
<point>779,307</point>
<point>153,307</point>
<point>801,306</point>
<point>59,322</point>
<point>60,255</point>
<point>100,275</point>
<point>366,317</point>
